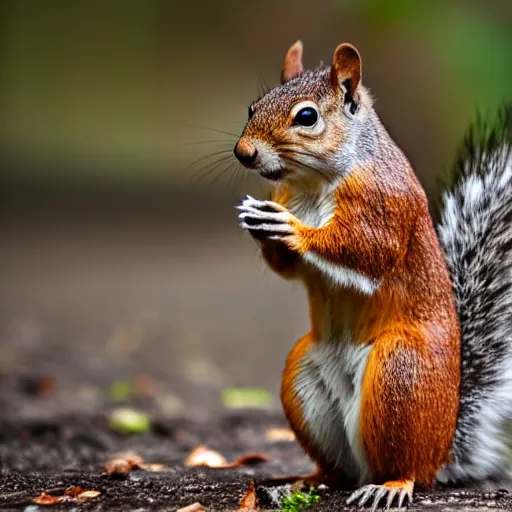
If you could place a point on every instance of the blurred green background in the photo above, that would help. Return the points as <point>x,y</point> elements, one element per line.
<point>115,258</point>
<point>119,83</point>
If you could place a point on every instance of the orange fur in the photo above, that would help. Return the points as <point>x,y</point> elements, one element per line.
<point>409,405</point>
<point>410,391</point>
<point>381,230</point>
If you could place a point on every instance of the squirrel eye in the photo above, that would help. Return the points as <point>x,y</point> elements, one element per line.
<point>306,116</point>
<point>251,111</point>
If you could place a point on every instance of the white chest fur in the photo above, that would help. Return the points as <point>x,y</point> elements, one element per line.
<point>329,386</point>
<point>314,209</point>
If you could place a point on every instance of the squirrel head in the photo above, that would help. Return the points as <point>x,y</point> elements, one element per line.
<point>306,129</point>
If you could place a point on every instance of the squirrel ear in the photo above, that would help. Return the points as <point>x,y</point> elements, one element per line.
<point>346,72</point>
<point>292,62</point>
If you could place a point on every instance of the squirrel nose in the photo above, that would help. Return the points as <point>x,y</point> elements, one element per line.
<point>246,152</point>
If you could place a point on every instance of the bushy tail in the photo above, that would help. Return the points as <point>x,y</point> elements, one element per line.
<point>476,236</point>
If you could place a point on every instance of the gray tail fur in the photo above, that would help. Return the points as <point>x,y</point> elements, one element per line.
<point>476,236</point>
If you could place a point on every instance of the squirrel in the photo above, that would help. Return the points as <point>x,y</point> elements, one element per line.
<point>406,375</point>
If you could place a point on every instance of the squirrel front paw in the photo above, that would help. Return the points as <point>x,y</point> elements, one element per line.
<point>267,220</point>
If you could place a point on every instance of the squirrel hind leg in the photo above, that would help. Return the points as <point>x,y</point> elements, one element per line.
<point>385,493</point>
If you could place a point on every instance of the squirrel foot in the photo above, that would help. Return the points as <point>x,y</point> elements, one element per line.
<point>401,488</point>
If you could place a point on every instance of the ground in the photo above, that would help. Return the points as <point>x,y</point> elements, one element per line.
<point>165,294</point>
<point>53,454</point>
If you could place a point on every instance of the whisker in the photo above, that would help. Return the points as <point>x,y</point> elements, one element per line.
<point>265,83</point>
<point>206,169</point>
<point>216,153</point>
<point>213,130</point>
<point>213,171</point>
<point>218,141</point>
<point>232,176</point>
<point>259,88</point>
<point>238,177</point>
<point>263,87</point>
<point>221,173</point>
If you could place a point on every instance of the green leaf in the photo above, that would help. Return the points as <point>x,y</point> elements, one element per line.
<point>129,421</point>
<point>234,398</point>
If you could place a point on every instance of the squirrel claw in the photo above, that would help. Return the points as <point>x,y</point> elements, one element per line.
<point>266,218</point>
<point>390,490</point>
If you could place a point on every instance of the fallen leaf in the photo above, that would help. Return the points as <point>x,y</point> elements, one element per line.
<point>73,492</point>
<point>134,459</point>
<point>125,462</point>
<point>235,398</point>
<point>152,467</point>
<point>129,421</point>
<point>277,434</point>
<point>195,507</point>
<point>46,499</point>
<point>88,495</point>
<point>118,467</point>
<point>202,456</point>
<point>250,500</point>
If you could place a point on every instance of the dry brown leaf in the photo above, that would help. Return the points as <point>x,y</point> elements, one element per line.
<point>152,467</point>
<point>118,467</point>
<point>46,499</point>
<point>88,495</point>
<point>195,507</point>
<point>73,492</point>
<point>202,456</point>
<point>123,464</point>
<point>250,500</point>
<point>132,458</point>
<point>277,434</point>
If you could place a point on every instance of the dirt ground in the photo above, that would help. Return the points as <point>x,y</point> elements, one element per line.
<point>53,454</point>
<point>157,289</point>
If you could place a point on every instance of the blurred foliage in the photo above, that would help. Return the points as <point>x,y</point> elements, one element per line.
<point>234,398</point>
<point>470,41</point>
<point>129,421</point>
<point>114,86</point>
